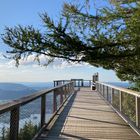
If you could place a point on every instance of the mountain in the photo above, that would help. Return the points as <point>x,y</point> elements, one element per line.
<point>38,85</point>
<point>10,91</point>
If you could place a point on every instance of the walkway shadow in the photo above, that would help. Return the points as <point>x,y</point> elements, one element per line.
<point>59,123</point>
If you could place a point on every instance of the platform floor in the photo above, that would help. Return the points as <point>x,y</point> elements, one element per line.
<point>87,116</point>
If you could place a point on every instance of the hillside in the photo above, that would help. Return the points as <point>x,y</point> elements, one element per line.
<point>10,91</point>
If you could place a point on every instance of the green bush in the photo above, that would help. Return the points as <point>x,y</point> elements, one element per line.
<point>26,133</point>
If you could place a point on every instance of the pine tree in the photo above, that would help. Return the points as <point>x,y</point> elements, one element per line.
<point>107,38</point>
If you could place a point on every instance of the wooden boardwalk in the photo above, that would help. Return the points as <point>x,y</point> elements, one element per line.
<point>87,116</point>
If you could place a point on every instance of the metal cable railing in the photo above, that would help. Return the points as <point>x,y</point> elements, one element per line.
<point>22,119</point>
<point>125,101</point>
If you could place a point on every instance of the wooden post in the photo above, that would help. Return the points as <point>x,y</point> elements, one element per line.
<point>137,102</point>
<point>89,83</point>
<point>82,84</point>
<point>99,88</point>
<point>78,83</point>
<point>75,83</point>
<point>65,93</point>
<point>68,89</point>
<point>61,96</point>
<point>120,99</point>
<point>43,109</point>
<point>54,101</point>
<point>103,90</point>
<point>107,94</point>
<point>14,123</point>
<point>72,87</point>
<point>112,93</point>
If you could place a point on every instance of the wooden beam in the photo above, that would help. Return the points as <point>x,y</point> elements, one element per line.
<point>54,101</point>
<point>14,123</point>
<point>137,102</point>
<point>120,100</point>
<point>43,109</point>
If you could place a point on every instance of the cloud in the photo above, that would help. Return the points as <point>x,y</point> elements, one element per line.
<point>32,62</point>
<point>2,56</point>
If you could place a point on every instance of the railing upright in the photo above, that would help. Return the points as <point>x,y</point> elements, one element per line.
<point>43,109</point>
<point>54,101</point>
<point>137,103</point>
<point>119,99</point>
<point>61,96</point>
<point>14,123</point>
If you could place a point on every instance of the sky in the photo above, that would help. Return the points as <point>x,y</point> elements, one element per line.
<point>26,12</point>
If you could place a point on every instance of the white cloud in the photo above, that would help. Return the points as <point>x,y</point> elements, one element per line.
<point>2,56</point>
<point>30,61</point>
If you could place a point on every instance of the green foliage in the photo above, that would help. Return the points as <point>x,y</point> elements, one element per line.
<point>5,134</point>
<point>107,38</point>
<point>128,106</point>
<point>28,131</point>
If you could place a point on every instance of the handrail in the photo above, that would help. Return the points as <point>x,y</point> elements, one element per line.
<point>125,101</point>
<point>14,106</point>
<point>24,100</point>
<point>77,82</point>
<point>129,91</point>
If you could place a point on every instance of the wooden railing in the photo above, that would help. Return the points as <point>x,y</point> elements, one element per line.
<point>77,82</point>
<point>14,107</point>
<point>125,101</point>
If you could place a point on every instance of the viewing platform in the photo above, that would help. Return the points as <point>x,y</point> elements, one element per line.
<point>82,109</point>
<point>86,115</point>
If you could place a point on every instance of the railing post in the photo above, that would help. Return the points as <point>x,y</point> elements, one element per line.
<point>137,102</point>
<point>89,84</point>
<point>61,96</point>
<point>99,88</point>
<point>120,99</point>
<point>57,83</point>
<point>68,89</point>
<point>14,123</point>
<point>54,101</point>
<point>103,90</point>
<point>112,92</point>
<point>82,84</point>
<point>72,87</point>
<point>43,109</point>
<point>78,83</point>
<point>65,93</point>
<point>107,94</point>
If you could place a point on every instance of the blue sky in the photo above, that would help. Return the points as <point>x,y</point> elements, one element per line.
<point>26,12</point>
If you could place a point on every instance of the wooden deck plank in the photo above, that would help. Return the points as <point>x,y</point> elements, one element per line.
<point>88,116</point>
